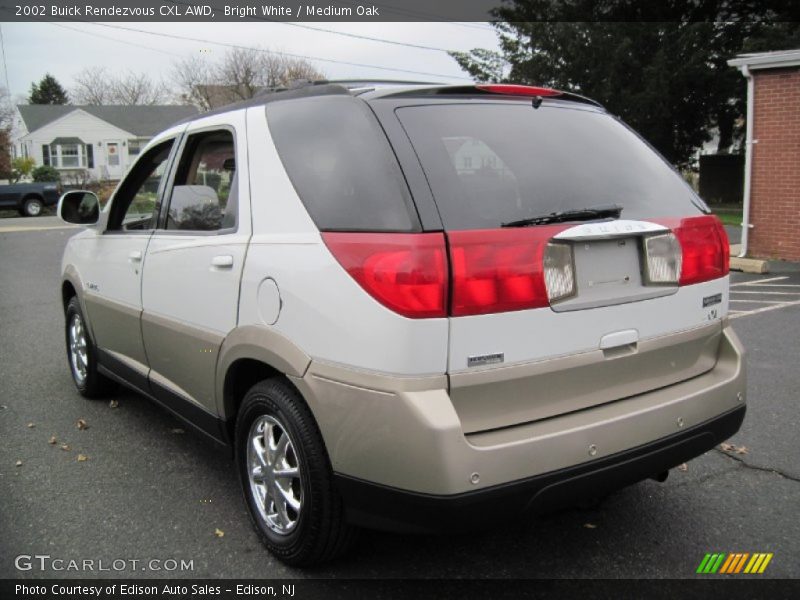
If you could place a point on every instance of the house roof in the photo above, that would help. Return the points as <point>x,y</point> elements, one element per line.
<point>64,141</point>
<point>145,121</point>
<point>767,60</point>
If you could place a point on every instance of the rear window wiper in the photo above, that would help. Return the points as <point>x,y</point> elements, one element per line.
<point>579,214</point>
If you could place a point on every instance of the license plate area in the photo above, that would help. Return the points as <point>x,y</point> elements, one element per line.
<point>609,272</point>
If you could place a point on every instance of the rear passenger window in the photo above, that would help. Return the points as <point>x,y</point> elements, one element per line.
<point>341,165</point>
<point>205,192</point>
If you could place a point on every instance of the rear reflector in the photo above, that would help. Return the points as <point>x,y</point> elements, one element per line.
<point>406,272</point>
<point>518,90</point>
<point>704,247</point>
<point>498,270</point>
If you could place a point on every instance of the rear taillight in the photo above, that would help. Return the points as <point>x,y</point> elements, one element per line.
<point>406,272</point>
<point>500,270</point>
<point>497,270</point>
<point>663,258</point>
<point>704,248</point>
<point>559,271</point>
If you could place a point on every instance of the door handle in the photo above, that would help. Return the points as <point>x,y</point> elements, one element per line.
<point>135,256</point>
<point>224,261</point>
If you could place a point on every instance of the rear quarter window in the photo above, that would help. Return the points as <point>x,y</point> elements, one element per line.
<point>341,165</point>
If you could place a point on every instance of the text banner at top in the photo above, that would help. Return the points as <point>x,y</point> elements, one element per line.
<point>247,10</point>
<point>391,10</point>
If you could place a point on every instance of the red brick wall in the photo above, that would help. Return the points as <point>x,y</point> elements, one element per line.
<point>775,192</point>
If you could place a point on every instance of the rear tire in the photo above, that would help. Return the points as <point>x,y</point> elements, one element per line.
<point>32,207</point>
<point>287,478</point>
<point>82,355</point>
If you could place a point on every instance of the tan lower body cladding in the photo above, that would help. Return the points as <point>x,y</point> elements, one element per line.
<point>407,432</point>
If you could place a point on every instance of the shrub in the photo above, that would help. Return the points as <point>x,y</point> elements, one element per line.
<point>45,173</point>
<point>21,167</point>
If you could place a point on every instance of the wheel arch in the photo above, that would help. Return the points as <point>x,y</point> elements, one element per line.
<point>248,355</point>
<point>67,292</point>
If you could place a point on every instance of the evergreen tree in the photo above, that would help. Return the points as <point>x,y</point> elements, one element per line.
<point>665,74</point>
<point>48,91</point>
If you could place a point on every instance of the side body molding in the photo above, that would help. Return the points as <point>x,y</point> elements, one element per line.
<point>257,342</point>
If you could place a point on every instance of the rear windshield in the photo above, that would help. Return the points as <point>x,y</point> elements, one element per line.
<point>489,164</point>
<point>341,165</point>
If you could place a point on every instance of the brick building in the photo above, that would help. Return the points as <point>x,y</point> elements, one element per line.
<point>772,163</point>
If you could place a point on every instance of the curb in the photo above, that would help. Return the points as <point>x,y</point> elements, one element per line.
<point>749,265</point>
<point>746,265</point>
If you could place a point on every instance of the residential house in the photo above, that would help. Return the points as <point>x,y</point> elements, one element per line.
<point>89,142</point>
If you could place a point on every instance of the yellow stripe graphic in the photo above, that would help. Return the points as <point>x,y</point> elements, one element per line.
<point>765,563</point>
<point>758,563</point>
<point>741,563</point>
<point>749,567</point>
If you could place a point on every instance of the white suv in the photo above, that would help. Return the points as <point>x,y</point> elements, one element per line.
<point>401,305</point>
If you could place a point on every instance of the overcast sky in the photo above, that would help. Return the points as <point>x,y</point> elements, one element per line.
<point>63,49</point>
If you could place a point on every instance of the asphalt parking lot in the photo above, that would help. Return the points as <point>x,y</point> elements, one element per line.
<point>147,489</point>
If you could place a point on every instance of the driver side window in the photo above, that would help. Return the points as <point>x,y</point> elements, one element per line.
<point>136,203</point>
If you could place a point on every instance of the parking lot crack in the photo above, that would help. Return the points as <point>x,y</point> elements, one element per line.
<point>747,465</point>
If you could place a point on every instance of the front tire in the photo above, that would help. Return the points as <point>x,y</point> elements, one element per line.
<point>286,477</point>
<point>32,207</point>
<point>82,356</point>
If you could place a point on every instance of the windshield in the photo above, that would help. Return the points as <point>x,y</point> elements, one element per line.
<point>489,164</point>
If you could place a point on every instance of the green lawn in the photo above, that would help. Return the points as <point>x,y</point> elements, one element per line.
<point>728,215</point>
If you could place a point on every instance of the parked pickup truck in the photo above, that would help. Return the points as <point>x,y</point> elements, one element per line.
<point>29,198</point>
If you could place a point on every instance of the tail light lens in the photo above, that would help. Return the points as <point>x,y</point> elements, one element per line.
<point>704,247</point>
<point>501,270</point>
<point>497,270</point>
<point>406,272</point>
<point>663,259</point>
<point>559,271</point>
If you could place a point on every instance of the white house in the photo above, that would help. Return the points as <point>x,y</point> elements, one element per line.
<point>94,142</point>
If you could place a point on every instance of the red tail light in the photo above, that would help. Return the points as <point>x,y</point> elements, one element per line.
<point>518,90</point>
<point>496,270</point>
<point>406,272</point>
<point>705,248</point>
<point>491,270</point>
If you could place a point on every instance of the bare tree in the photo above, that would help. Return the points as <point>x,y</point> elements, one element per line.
<point>298,68</point>
<point>194,79</point>
<point>239,75</point>
<point>96,86</point>
<point>138,88</point>
<point>93,85</point>
<point>6,109</point>
<point>244,71</point>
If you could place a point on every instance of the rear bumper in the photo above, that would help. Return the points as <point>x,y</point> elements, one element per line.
<point>402,438</point>
<point>381,507</point>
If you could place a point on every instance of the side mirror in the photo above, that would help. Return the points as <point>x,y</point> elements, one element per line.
<point>79,208</point>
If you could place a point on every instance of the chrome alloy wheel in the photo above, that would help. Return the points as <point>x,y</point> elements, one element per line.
<point>78,356</point>
<point>274,472</point>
